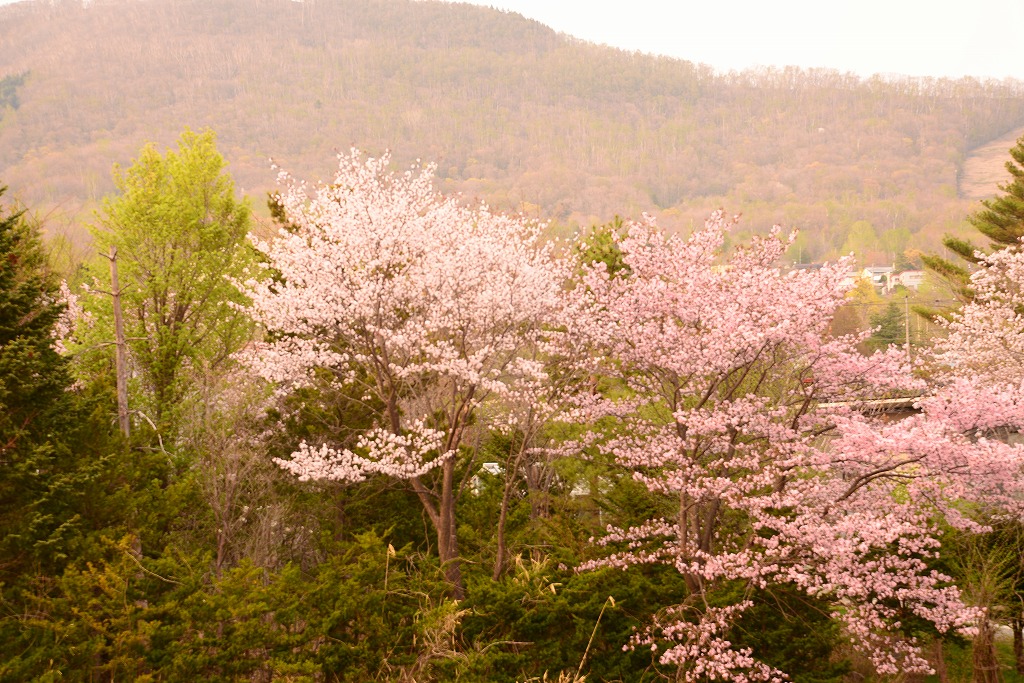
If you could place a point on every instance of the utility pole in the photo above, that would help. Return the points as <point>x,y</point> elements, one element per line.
<point>122,351</point>
<point>906,322</point>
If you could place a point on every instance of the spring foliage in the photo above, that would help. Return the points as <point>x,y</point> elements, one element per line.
<point>741,408</point>
<point>179,231</point>
<point>410,302</point>
<point>733,402</point>
<point>694,396</point>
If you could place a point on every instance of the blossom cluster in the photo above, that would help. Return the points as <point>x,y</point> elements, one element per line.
<point>742,406</point>
<point>407,297</point>
<point>731,397</point>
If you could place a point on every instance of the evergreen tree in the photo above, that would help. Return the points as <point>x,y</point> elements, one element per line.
<point>890,328</point>
<point>1001,221</point>
<point>37,484</point>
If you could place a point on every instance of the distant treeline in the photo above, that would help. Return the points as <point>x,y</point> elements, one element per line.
<point>514,114</point>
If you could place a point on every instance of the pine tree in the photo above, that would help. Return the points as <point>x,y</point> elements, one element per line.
<point>1001,221</point>
<point>890,328</point>
<point>33,396</point>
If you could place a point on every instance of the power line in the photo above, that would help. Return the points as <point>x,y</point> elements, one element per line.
<point>859,304</point>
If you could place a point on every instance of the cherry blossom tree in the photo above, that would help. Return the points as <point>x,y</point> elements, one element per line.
<point>981,364</point>
<point>986,337</point>
<point>414,305</point>
<point>739,407</point>
<point>979,367</point>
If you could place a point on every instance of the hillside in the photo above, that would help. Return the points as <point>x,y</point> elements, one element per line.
<point>985,168</point>
<point>511,112</point>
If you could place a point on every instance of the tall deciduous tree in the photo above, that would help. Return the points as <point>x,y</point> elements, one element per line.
<point>743,412</point>
<point>180,234</point>
<point>414,305</point>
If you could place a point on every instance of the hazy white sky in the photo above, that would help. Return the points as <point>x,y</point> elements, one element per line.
<point>913,37</point>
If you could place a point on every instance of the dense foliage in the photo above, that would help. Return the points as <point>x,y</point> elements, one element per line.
<point>408,439</point>
<point>178,233</point>
<point>33,379</point>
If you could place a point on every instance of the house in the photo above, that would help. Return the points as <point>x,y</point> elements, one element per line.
<point>476,484</point>
<point>911,279</point>
<point>881,277</point>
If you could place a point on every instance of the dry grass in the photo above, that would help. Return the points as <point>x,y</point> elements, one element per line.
<point>985,167</point>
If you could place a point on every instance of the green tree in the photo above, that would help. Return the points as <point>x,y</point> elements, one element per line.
<point>9,91</point>
<point>180,235</point>
<point>1000,220</point>
<point>65,480</point>
<point>599,244</point>
<point>803,249</point>
<point>894,241</point>
<point>889,327</point>
<point>37,486</point>
<point>862,241</point>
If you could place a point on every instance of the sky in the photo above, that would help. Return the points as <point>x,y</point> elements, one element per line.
<point>981,38</point>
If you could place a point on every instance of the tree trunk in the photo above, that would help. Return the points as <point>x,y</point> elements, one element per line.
<point>441,512</point>
<point>447,541</point>
<point>940,661</point>
<point>986,666</point>
<point>1018,644</point>
<point>684,521</point>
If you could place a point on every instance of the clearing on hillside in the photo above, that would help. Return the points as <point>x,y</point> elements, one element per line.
<point>985,167</point>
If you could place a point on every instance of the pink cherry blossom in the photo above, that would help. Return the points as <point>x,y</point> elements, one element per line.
<point>741,406</point>
<point>413,302</point>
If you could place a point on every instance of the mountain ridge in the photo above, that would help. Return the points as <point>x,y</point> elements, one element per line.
<point>511,111</point>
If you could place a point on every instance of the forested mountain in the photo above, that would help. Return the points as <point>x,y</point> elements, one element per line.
<point>512,113</point>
